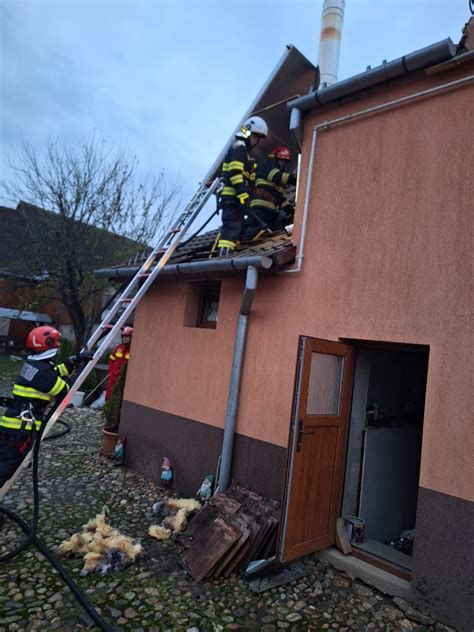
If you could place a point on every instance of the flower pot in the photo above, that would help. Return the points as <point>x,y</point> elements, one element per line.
<point>109,440</point>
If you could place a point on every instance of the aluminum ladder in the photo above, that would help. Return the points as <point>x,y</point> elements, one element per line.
<point>129,299</point>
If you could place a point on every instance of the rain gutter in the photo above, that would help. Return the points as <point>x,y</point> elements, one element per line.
<point>235,377</point>
<point>325,125</point>
<point>220,264</point>
<point>419,59</point>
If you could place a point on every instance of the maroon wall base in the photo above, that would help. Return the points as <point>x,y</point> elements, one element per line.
<point>194,449</point>
<point>443,560</point>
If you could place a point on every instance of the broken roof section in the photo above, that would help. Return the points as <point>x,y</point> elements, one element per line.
<point>195,258</point>
<point>293,76</point>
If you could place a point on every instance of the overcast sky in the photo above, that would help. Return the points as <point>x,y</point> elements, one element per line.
<point>170,80</point>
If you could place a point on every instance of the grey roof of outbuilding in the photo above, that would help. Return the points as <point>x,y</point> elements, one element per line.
<point>21,314</point>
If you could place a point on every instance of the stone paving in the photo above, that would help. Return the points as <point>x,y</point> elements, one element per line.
<point>155,594</point>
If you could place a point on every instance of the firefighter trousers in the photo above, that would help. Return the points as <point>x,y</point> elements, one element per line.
<point>233,216</point>
<point>14,446</point>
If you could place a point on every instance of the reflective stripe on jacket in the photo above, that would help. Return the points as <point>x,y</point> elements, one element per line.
<point>238,173</point>
<point>269,192</point>
<point>38,382</point>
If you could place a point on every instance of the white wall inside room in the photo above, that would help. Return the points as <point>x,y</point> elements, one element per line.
<point>390,481</point>
<point>383,461</point>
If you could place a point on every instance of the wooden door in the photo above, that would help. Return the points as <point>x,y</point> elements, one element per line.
<point>317,447</point>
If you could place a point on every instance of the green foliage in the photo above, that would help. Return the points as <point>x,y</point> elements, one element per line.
<point>8,368</point>
<point>66,350</point>
<point>113,405</point>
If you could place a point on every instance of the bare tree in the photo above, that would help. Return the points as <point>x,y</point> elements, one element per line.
<point>88,212</point>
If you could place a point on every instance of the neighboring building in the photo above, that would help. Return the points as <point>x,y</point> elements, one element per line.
<point>356,388</point>
<point>26,296</point>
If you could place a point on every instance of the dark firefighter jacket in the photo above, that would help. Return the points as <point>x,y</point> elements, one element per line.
<point>269,191</point>
<point>38,382</point>
<point>238,173</point>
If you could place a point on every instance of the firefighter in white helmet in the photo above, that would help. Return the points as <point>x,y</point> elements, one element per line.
<point>238,175</point>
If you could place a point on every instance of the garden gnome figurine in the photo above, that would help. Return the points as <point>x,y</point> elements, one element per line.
<point>205,491</point>
<point>166,478</point>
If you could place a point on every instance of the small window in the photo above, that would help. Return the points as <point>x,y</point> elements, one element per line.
<point>202,305</point>
<point>208,305</point>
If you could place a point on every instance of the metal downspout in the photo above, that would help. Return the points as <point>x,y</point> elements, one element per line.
<point>347,119</point>
<point>234,385</point>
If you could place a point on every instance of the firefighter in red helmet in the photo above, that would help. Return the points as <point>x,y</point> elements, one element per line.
<point>119,356</point>
<point>39,383</point>
<point>268,204</point>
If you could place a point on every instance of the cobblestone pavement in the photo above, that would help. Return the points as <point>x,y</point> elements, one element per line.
<point>155,594</point>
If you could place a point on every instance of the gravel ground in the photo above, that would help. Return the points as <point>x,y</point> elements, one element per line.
<point>155,594</point>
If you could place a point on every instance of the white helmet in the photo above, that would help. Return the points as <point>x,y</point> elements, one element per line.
<point>253,125</point>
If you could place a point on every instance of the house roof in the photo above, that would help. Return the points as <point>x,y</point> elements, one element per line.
<point>293,76</point>
<point>195,257</point>
<point>14,260</point>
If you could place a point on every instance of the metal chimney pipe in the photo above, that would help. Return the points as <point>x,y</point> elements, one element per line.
<point>330,40</point>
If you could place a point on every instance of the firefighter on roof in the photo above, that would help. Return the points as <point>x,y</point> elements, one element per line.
<point>117,358</point>
<point>37,385</point>
<point>268,204</point>
<point>238,175</point>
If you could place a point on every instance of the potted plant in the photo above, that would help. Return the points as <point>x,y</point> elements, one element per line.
<point>111,412</point>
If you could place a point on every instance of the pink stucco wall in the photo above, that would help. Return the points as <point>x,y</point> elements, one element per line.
<point>388,258</point>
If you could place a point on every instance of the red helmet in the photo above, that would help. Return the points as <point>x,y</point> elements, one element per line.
<point>127,331</point>
<point>281,153</point>
<point>43,338</point>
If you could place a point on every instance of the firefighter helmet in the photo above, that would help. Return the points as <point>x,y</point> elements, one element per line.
<point>127,331</point>
<point>253,125</point>
<point>281,153</point>
<point>43,338</point>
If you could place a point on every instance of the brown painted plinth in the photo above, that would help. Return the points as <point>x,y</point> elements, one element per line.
<point>194,450</point>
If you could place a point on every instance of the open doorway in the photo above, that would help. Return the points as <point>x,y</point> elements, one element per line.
<point>384,448</point>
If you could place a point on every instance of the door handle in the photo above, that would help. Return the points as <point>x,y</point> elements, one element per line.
<point>301,432</point>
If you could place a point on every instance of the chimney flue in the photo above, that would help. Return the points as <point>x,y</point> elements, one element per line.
<point>330,40</point>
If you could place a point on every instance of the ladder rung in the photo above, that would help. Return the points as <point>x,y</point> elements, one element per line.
<point>175,230</point>
<point>126,300</point>
<point>107,326</point>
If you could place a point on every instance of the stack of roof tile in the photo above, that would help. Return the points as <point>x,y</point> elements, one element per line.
<point>230,531</point>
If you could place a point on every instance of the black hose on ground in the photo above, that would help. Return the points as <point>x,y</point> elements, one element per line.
<point>31,532</point>
<point>32,537</point>
<point>93,614</point>
<point>59,433</point>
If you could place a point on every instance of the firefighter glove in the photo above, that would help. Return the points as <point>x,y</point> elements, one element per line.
<point>243,198</point>
<point>85,355</point>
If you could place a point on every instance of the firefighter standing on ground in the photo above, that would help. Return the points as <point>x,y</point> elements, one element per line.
<point>238,175</point>
<point>117,358</point>
<point>37,385</point>
<point>268,202</point>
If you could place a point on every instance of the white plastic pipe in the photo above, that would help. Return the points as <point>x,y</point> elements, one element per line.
<point>330,40</point>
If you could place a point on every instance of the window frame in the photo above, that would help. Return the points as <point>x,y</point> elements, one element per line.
<point>208,293</point>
